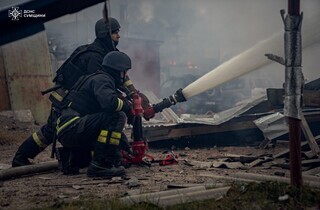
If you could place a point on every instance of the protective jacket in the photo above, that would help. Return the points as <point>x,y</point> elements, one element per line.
<point>92,94</point>
<point>98,94</point>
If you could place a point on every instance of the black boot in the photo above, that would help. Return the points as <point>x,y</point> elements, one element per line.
<point>28,149</point>
<point>105,171</point>
<point>125,146</point>
<point>102,164</point>
<point>71,160</point>
<point>67,161</point>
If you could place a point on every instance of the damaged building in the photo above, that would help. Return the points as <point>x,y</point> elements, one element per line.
<point>217,82</point>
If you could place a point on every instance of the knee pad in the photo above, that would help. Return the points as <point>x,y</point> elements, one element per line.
<point>110,137</point>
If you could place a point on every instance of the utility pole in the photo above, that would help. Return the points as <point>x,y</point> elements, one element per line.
<point>293,88</point>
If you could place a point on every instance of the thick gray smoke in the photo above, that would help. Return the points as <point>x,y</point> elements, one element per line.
<point>194,36</point>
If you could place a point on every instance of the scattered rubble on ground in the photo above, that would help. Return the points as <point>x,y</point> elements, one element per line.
<point>213,167</point>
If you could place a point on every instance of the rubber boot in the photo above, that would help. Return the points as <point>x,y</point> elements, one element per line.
<point>125,146</point>
<point>67,162</point>
<point>82,158</point>
<point>105,171</point>
<point>70,161</point>
<point>102,163</point>
<point>28,149</point>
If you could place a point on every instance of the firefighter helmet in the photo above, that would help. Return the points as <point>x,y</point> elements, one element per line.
<point>118,61</point>
<point>102,29</point>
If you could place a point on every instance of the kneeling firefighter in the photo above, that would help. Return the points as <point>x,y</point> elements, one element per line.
<point>85,60</point>
<point>95,117</point>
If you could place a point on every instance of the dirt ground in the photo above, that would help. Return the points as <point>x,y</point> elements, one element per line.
<point>52,188</point>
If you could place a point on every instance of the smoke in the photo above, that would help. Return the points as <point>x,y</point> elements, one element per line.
<point>194,36</point>
<point>207,33</point>
<point>147,12</point>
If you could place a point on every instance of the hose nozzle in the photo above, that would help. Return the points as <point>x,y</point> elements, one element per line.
<point>177,97</point>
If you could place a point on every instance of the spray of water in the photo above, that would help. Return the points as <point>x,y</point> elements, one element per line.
<point>252,59</point>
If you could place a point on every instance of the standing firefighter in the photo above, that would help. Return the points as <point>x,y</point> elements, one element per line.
<point>95,116</point>
<point>84,60</point>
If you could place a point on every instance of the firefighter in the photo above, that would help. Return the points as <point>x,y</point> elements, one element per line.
<point>85,59</point>
<point>95,116</point>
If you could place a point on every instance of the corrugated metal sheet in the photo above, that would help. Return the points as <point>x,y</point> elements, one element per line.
<point>28,71</point>
<point>168,113</point>
<point>273,125</point>
<point>226,115</point>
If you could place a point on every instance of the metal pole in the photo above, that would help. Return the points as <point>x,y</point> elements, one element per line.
<point>294,7</point>
<point>293,88</point>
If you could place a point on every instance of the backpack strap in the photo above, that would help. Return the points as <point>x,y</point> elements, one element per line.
<point>75,71</point>
<point>77,86</point>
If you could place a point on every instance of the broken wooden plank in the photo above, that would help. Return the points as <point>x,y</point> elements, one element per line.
<point>274,162</point>
<point>177,131</point>
<point>247,159</point>
<point>308,154</point>
<point>282,143</point>
<point>264,144</point>
<point>255,163</point>
<point>208,129</point>
<point>286,152</point>
<point>153,132</point>
<point>309,136</point>
<point>313,171</point>
<point>275,97</point>
<point>311,163</point>
<point>311,98</point>
<point>306,164</point>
